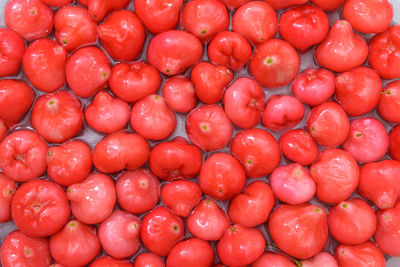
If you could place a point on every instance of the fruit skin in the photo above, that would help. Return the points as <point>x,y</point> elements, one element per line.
<point>7,191</point>
<point>274,260</point>
<point>12,48</point>
<point>321,259</point>
<point>57,3</point>
<point>389,102</point>
<point>191,252</point>
<point>107,261</point>
<point>148,260</point>
<point>394,143</point>
<point>3,128</point>
<point>179,93</point>
<point>278,4</point>
<point>98,9</point>
<point>328,5</point>
<point>365,254</point>
<point>231,4</point>
<point>387,232</point>
<point>18,249</point>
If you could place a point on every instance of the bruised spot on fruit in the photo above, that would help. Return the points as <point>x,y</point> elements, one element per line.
<point>51,104</point>
<point>305,133</point>
<point>20,157</point>
<point>317,210</point>
<point>312,128</point>
<point>388,92</point>
<point>357,134</point>
<point>345,205</point>
<point>104,74</point>
<point>313,171</point>
<point>28,252</point>
<point>204,127</point>
<point>261,38</point>
<point>342,22</point>
<point>49,153</point>
<point>220,191</point>
<point>208,201</point>
<point>143,184</point>
<point>176,228</point>
<point>249,162</point>
<point>386,217</point>
<point>269,60</point>
<point>167,70</point>
<point>33,11</point>
<point>156,97</point>
<point>9,191</point>
<point>133,225</point>
<point>95,16</point>
<point>233,229</point>
<point>203,31</point>
<point>64,41</point>
<point>72,224</point>
<point>342,251</point>
<point>69,190</point>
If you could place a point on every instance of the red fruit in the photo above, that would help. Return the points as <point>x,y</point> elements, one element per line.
<point>299,146</point>
<point>328,124</point>
<point>314,86</point>
<point>57,3</point>
<point>256,21</point>
<point>178,91</point>
<point>23,155</point>
<point>161,230</point>
<point>107,114</point>
<point>120,150</point>
<point>74,27</point>
<point>119,234</point>
<point>40,208</point>
<point>336,174</point>
<point>230,49</point>
<point>384,53</point>
<point>222,176</point>
<point>328,5</point>
<point>87,71</point>
<point>7,190</point>
<point>158,15</point>
<point>31,19</point>
<point>107,261</point>
<point>12,48</point>
<point>69,163</point>
<point>231,4</point>
<point>204,18</point>
<point>321,259</point>
<point>98,9</point>
<point>208,127</point>
<point>380,183</point>
<point>387,232</point>
<point>389,102</point>
<point>349,49</point>
<point>274,260</point>
<point>257,150</point>
<point>300,231</point>
<point>368,16</point>
<point>18,249</point>
<point>3,128</point>
<point>93,199</point>
<point>191,252</point>
<point>16,99</point>
<point>279,4</point>
<point>57,116</point>
<point>282,112</point>
<point>275,63</point>
<point>367,140</point>
<point>132,82</point>
<point>137,191</point>
<point>304,26</point>
<point>394,143</point>
<point>292,184</point>
<point>244,101</point>
<point>148,260</point>
<point>174,51</point>
<point>240,245</point>
<point>209,81</point>
<point>365,254</point>
<point>75,245</point>
<point>122,35</point>
<point>252,207</point>
<point>208,221</point>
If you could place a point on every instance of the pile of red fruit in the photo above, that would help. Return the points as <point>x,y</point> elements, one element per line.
<point>190,133</point>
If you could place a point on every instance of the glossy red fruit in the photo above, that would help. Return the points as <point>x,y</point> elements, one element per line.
<point>57,3</point>
<point>208,221</point>
<point>231,4</point>
<point>230,49</point>
<point>367,140</point>
<point>40,208</point>
<point>122,35</point>
<point>274,260</point>
<point>107,114</point>
<point>132,82</point>
<point>204,18</point>
<point>304,26</point>
<point>32,19</point>
<point>209,81</point>
<point>368,16</point>
<point>389,102</point>
<point>148,260</point>
<point>178,91</point>
<point>174,51</point>
<point>379,182</point>
<point>137,191</point>
<point>321,259</point>
<point>257,150</point>
<point>348,48</point>
<point>87,71</point>
<point>18,249</point>
<point>16,99</point>
<point>256,21</point>
<point>57,116</point>
<point>387,232</point>
<point>328,124</point>
<point>69,163</point>
<point>278,4</point>
<point>3,128</point>
<point>23,155</point>
<point>299,146</point>
<point>384,53</point>
<point>336,174</point>
<point>119,234</point>
<point>300,231</point>
<point>93,199</point>
<point>328,5</point>
<point>253,206</point>
<point>7,190</point>
<point>314,86</point>
<point>191,252</point>
<point>292,184</point>
<point>240,245</point>
<point>365,254</point>
<point>222,176</point>
<point>158,15</point>
<point>208,127</point>
<point>275,63</point>
<point>120,150</point>
<point>99,9</point>
<point>244,101</point>
<point>394,143</point>
<point>12,48</point>
<point>75,245</point>
<point>161,230</point>
<point>107,261</point>
<point>74,27</point>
